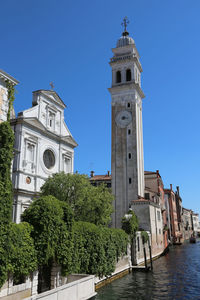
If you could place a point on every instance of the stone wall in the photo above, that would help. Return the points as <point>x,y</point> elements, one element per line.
<point>3,101</point>
<point>17,292</point>
<point>150,219</point>
<point>138,249</point>
<point>81,287</point>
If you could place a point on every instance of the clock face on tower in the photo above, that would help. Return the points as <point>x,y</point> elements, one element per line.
<point>123,118</point>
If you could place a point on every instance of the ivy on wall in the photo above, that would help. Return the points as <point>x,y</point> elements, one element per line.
<point>6,155</point>
<point>145,236</point>
<point>130,224</point>
<point>17,252</point>
<point>6,198</point>
<point>11,98</point>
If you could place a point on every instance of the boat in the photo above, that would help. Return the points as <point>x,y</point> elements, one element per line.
<point>192,239</point>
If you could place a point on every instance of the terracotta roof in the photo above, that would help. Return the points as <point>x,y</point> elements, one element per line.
<point>101,177</point>
<point>149,172</point>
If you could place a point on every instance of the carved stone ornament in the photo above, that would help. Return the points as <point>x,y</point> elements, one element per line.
<point>28,180</point>
<point>123,99</point>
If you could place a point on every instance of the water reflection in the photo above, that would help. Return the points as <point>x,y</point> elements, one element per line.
<point>175,276</point>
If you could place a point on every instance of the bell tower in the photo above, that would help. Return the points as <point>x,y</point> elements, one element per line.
<point>127,137</point>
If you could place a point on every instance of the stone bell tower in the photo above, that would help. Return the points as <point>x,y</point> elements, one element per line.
<point>127,138</point>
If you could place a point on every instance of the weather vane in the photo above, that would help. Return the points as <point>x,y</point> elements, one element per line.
<point>125,23</point>
<point>52,85</point>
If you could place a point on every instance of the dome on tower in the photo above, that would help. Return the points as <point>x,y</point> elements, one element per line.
<point>125,40</point>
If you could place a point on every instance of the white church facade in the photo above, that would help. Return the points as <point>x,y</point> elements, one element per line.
<point>43,143</point>
<point>43,146</point>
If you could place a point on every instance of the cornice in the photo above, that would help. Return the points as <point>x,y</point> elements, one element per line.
<point>147,202</point>
<point>25,192</point>
<point>68,140</point>
<point>5,76</point>
<point>127,86</point>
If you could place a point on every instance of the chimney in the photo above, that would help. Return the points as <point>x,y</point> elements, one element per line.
<point>171,187</point>
<point>92,174</point>
<point>108,173</point>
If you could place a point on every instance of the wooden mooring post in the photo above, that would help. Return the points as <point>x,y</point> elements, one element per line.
<point>150,254</point>
<point>145,256</point>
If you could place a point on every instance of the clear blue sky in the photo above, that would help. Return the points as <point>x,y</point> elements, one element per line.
<point>69,43</point>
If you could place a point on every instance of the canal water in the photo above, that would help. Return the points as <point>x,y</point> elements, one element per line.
<point>175,276</point>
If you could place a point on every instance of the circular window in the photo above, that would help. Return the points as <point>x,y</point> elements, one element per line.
<point>49,159</point>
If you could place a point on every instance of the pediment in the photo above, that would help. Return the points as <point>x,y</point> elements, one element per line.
<point>52,96</point>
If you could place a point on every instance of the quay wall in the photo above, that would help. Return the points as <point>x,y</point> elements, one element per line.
<point>81,289</point>
<point>123,266</point>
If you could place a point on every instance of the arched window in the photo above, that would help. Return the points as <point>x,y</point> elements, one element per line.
<point>118,77</point>
<point>128,75</point>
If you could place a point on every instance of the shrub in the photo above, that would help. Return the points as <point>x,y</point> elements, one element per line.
<point>52,222</point>
<point>97,248</point>
<point>46,217</point>
<point>22,255</point>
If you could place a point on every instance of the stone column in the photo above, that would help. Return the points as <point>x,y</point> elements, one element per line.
<point>55,276</point>
<point>34,286</point>
<point>129,254</point>
<point>10,284</point>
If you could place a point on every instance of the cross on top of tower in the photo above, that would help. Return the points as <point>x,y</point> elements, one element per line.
<point>52,85</point>
<point>124,25</point>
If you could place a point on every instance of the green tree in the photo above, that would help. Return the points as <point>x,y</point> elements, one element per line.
<point>89,203</point>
